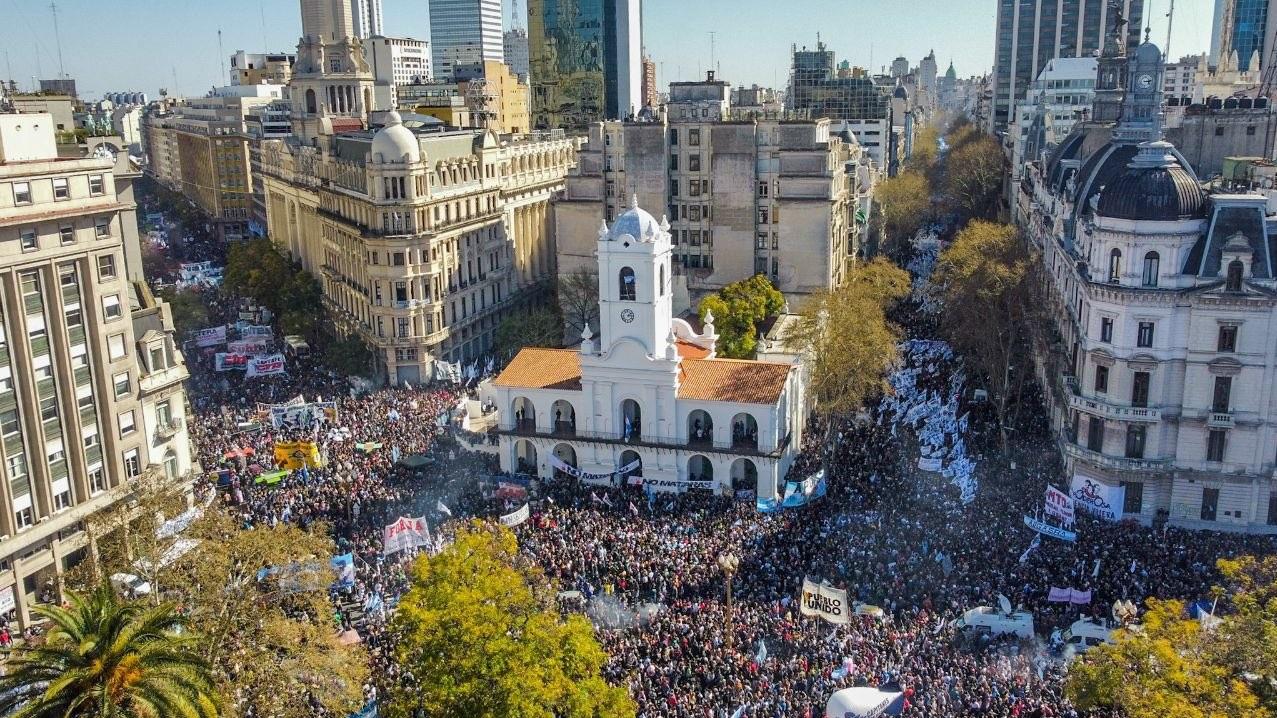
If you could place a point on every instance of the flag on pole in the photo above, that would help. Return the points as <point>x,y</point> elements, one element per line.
<point>633,509</point>
<point>1037,541</point>
<point>441,508</point>
<point>761,656</point>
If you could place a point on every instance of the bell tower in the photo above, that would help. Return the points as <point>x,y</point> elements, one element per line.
<point>1110,70</point>
<point>635,282</point>
<point>332,85</point>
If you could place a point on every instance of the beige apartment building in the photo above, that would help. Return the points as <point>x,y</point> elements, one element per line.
<point>423,238</point>
<point>745,192</point>
<point>90,380</point>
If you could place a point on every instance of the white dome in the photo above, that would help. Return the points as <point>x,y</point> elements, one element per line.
<point>637,223</point>
<point>392,142</point>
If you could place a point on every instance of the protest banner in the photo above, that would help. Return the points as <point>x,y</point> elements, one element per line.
<point>1059,505</point>
<point>344,568</point>
<point>1068,595</point>
<point>825,601</point>
<point>227,361</point>
<point>249,330</point>
<point>1095,497</point>
<point>297,454</point>
<point>265,365</point>
<point>210,337</point>
<point>1046,529</point>
<point>515,518</point>
<point>270,478</point>
<point>405,533</point>
<point>247,346</point>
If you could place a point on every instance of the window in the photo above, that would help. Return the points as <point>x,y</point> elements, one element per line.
<point>660,288</point>
<point>106,267</point>
<point>102,227</point>
<point>1095,434</point>
<point>62,500</point>
<point>21,193</point>
<point>1234,281</point>
<point>1220,400</point>
<point>629,286</point>
<point>1210,503</point>
<point>66,235</point>
<point>97,480</point>
<point>1106,330</point>
<point>674,137</point>
<point>1115,265</point>
<point>157,359</point>
<point>1139,389</point>
<point>1101,379</point>
<point>111,307</point>
<point>761,241</point>
<point>132,464</point>
<point>1272,509</point>
<point>49,408</point>
<point>1134,501</point>
<point>24,518</point>
<point>127,425</point>
<point>28,239</point>
<point>164,411</point>
<point>1145,336</point>
<point>1228,338</point>
<point>764,189</point>
<point>1135,435</point>
<point>764,216</point>
<point>694,162</point>
<point>96,185</point>
<point>122,384</point>
<point>1151,262</point>
<point>1216,442</point>
<point>9,422</point>
<point>674,162</point>
<point>115,346</point>
<point>60,189</point>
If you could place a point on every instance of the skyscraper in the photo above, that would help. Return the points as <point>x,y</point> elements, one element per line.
<point>366,17</point>
<point>586,60</point>
<point>516,51</point>
<point>1032,32</point>
<point>1242,32</point>
<point>465,32</point>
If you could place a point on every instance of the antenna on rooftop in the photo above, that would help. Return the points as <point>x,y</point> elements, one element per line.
<point>58,38</point>
<point>1170,20</point>
<point>712,65</point>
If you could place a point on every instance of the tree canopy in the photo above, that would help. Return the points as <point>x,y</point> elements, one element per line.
<point>905,202</point>
<point>108,658</point>
<point>846,335</point>
<point>578,295</point>
<point>974,173</point>
<point>256,269</point>
<point>738,308</point>
<point>540,327</point>
<point>985,282</point>
<point>479,629</point>
<point>1172,665</point>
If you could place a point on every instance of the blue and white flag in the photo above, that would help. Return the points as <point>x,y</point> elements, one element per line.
<point>344,567</point>
<point>761,656</point>
<point>439,506</point>
<point>1037,541</point>
<point>739,711</point>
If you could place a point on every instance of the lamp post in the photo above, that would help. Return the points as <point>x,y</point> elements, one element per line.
<point>729,562</point>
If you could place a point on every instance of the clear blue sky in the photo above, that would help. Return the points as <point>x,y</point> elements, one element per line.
<point>139,44</point>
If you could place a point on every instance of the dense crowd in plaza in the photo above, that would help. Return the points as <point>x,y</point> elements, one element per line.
<point>646,566</point>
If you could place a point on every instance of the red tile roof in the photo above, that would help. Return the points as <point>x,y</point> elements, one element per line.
<point>534,368</point>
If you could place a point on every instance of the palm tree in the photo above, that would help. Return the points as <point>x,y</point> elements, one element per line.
<point>105,658</point>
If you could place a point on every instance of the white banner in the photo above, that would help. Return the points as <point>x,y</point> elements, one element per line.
<point>1059,505</point>
<point>250,330</point>
<point>825,601</point>
<point>210,337</point>
<point>256,345</point>
<point>224,361</point>
<point>1054,532</point>
<point>677,485</point>
<point>405,533</point>
<point>1097,498</point>
<point>596,479</point>
<point>265,365</point>
<point>511,520</point>
<point>7,602</point>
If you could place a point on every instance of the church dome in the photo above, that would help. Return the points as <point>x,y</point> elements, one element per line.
<point>900,91</point>
<point>635,223</point>
<point>395,143</point>
<point>1154,187</point>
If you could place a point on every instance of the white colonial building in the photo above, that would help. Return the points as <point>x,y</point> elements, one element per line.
<point>648,387</point>
<point>1164,299</point>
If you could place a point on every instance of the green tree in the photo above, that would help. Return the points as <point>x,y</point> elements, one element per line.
<point>991,310</point>
<point>905,202</point>
<point>974,173</point>
<point>738,308</point>
<point>1168,665</point>
<point>540,327</point>
<point>348,356</point>
<point>189,310</point>
<point>105,658</point>
<point>849,344</point>
<point>480,630</point>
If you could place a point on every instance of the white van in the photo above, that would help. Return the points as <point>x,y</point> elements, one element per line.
<point>990,620</point>
<point>1085,634</point>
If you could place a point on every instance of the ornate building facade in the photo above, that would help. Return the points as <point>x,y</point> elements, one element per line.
<point>1161,366</point>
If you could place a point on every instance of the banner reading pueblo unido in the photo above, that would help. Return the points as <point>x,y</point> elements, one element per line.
<point>825,601</point>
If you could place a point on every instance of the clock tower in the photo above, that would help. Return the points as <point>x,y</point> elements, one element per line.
<point>635,283</point>
<point>1142,106</point>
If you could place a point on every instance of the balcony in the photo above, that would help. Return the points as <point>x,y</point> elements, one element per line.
<point>1115,463</point>
<point>168,429</point>
<point>1220,419</point>
<point>527,427</point>
<point>1099,407</point>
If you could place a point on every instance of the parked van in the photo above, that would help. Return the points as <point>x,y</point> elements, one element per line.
<point>987,619</point>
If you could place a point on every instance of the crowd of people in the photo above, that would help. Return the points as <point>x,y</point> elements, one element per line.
<point>645,567</point>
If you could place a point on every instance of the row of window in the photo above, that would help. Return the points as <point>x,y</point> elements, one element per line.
<point>1137,436</point>
<point>29,240</point>
<point>61,189</point>
<point>1152,266</point>
<point>1143,333</point>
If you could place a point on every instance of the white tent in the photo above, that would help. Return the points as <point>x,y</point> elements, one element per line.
<point>864,702</point>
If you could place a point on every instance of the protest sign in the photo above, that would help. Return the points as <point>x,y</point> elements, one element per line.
<point>825,601</point>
